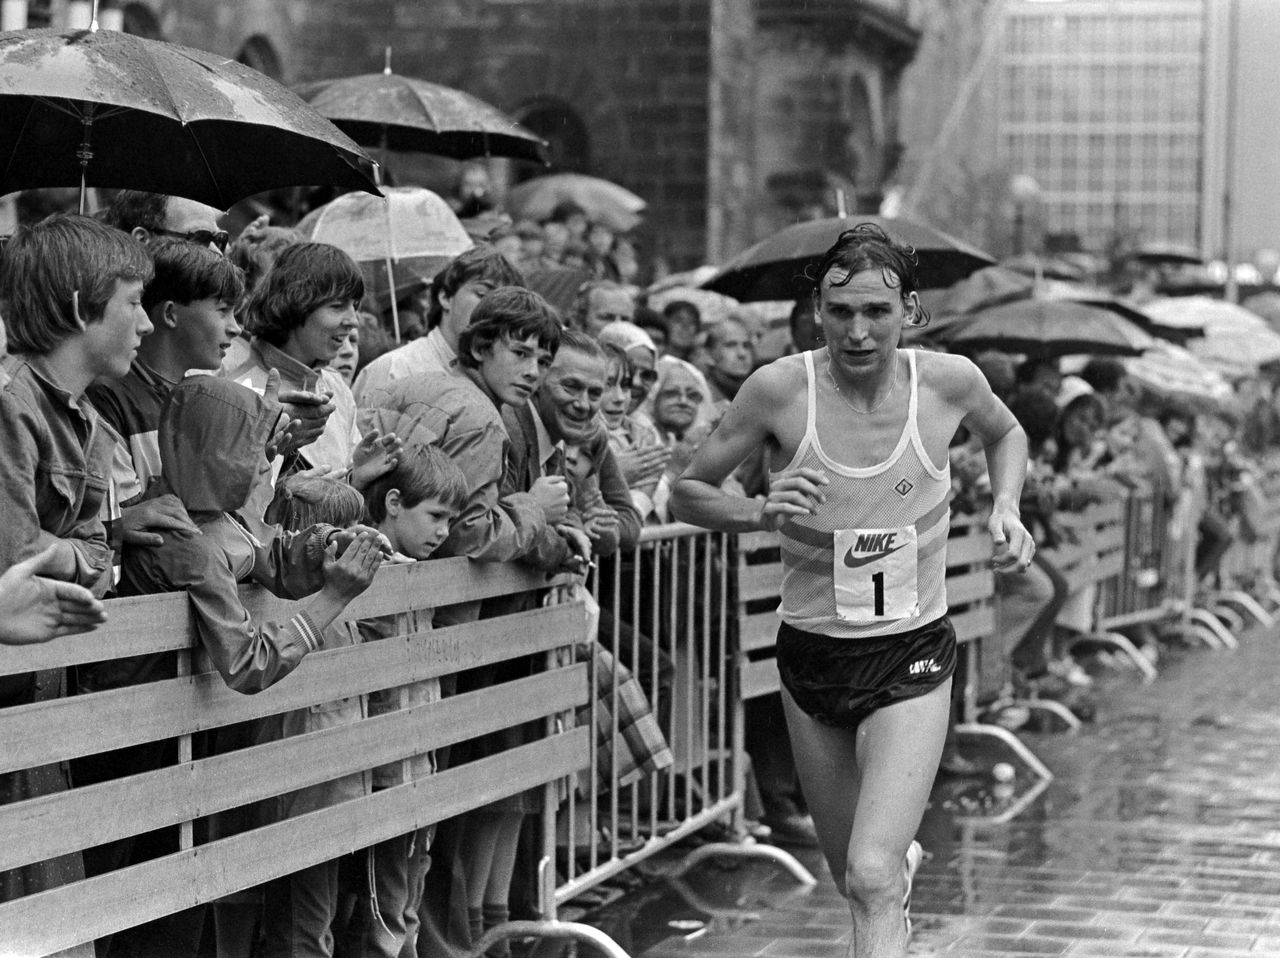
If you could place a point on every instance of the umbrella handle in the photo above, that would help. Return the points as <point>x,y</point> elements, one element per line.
<point>395,309</point>
<point>84,154</point>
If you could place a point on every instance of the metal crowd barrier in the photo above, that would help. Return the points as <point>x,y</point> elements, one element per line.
<point>198,701</point>
<point>667,622</point>
<point>1247,583</point>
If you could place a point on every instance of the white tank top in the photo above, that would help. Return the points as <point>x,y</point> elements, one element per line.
<point>872,561</point>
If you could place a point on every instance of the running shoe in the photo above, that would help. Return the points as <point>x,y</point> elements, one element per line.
<point>915,854</point>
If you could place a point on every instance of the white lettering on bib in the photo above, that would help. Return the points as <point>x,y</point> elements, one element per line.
<point>874,572</point>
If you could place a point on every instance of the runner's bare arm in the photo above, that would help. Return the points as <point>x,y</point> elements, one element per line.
<point>1005,445</point>
<point>747,424</point>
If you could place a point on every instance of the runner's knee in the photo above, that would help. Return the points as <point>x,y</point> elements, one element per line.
<point>873,874</point>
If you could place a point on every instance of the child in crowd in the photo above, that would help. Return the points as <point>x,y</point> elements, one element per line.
<point>300,315</point>
<point>214,448</point>
<point>190,302</point>
<point>412,506</point>
<point>71,294</point>
<point>299,909</point>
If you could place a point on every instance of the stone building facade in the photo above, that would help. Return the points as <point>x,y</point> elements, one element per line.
<point>730,117</point>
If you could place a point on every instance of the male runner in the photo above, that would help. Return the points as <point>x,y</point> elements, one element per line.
<point>865,651</point>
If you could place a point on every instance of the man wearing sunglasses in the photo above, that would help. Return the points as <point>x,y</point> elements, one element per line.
<point>148,216</point>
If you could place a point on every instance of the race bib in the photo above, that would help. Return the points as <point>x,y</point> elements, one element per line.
<point>874,571</point>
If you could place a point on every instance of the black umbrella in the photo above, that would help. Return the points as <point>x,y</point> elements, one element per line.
<point>1047,328</point>
<point>781,266</point>
<point>110,109</point>
<point>392,112</point>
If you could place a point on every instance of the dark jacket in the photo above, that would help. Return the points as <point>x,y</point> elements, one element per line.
<point>213,434</point>
<point>523,468</point>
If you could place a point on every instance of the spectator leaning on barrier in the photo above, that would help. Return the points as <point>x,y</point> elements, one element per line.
<point>454,294</point>
<point>506,351</point>
<point>71,296</point>
<point>412,506</point>
<point>215,445</point>
<point>565,413</point>
<point>190,301</point>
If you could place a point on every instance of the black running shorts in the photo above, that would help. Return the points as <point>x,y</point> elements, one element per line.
<point>840,682</point>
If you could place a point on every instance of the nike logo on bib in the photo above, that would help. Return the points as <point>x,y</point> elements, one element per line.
<point>882,544</point>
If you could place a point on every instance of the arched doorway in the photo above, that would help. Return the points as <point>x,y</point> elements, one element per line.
<point>568,140</point>
<point>259,53</point>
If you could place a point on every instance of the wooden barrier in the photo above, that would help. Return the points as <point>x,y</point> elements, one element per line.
<point>192,789</point>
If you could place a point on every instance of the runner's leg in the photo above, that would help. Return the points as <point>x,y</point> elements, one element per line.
<point>898,752</point>
<point>867,794</point>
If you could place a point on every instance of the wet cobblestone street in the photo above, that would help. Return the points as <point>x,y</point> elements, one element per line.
<point>1159,837</point>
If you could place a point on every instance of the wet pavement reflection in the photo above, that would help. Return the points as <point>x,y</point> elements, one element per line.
<point>1160,836</point>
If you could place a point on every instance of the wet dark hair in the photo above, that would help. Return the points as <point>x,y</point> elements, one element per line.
<point>479,262</point>
<point>1104,374</point>
<point>130,209</point>
<point>1037,414</point>
<point>46,267</point>
<point>186,272</point>
<point>423,472</point>
<point>512,313</point>
<point>681,306</point>
<point>867,246</point>
<point>565,210</point>
<point>648,318</point>
<point>304,278</point>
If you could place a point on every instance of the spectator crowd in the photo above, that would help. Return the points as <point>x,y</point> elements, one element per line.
<point>184,411</point>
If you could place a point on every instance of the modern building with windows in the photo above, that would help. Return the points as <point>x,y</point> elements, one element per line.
<point>1101,102</point>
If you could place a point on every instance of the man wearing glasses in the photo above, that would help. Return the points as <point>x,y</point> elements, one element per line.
<point>148,216</point>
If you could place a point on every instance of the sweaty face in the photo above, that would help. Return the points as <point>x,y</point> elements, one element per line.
<point>113,340</point>
<point>861,320</point>
<point>570,396</point>
<point>510,370</point>
<point>675,407</point>
<point>204,330</point>
<point>416,531</point>
<point>605,306</point>
<point>323,333</point>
